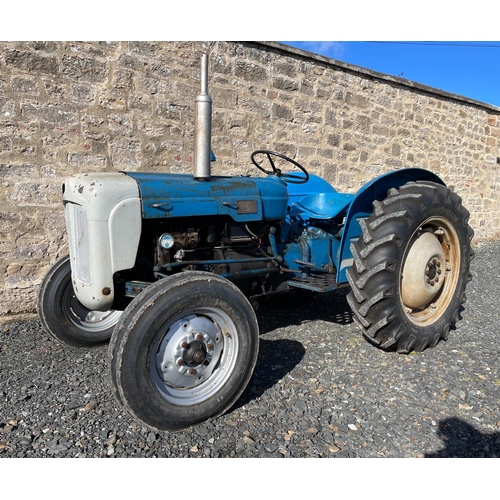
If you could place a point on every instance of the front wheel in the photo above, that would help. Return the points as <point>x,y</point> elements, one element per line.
<point>62,315</point>
<point>411,267</point>
<point>183,351</point>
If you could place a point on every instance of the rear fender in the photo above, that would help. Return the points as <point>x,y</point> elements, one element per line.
<point>361,207</point>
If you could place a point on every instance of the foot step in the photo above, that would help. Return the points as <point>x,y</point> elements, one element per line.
<point>317,283</point>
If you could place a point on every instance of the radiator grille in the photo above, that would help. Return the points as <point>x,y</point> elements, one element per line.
<point>78,239</point>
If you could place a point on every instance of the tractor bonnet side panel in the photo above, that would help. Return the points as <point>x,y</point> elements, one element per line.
<point>242,198</point>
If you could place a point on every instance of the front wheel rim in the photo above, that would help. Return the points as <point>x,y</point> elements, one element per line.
<point>194,355</point>
<point>433,274</point>
<point>87,320</point>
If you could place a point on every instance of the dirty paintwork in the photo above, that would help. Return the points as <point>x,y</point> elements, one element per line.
<point>180,195</point>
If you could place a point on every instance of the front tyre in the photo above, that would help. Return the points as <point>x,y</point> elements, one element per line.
<point>183,351</point>
<point>411,267</point>
<point>64,318</point>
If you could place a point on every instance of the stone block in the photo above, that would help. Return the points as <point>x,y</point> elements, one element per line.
<point>9,221</point>
<point>282,112</point>
<point>16,171</point>
<point>5,146</point>
<point>86,161</point>
<point>125,153</point>
<point>31,61</point>
<point>356,100</point>
<point>333,140</point>
<point>24,85</point>
<point>34,194</point>
<point>250,72</point>
<point>82,93</point>
<point>287,85</point>
<point>54,113</point>
<point>84,68</point>
<point>7,106</point>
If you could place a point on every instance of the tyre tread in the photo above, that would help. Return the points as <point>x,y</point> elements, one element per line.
<point>376,257</point>
<point>129,334</point>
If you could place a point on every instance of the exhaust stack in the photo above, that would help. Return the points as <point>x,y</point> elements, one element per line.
<point>202,125</point>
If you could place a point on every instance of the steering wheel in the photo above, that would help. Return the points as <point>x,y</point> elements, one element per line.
<point>287,177</point>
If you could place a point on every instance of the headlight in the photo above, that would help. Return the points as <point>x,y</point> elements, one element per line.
<point>166,241</point>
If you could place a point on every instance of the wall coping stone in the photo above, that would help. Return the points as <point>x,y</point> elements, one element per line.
<point>379,76</point>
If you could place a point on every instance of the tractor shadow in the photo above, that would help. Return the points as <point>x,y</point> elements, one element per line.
<point>462,440</point>
<point>276,359</point>
<point>279,357</point>
<point>295,308</point>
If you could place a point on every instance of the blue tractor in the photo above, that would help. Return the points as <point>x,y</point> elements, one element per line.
<point>166,267</point>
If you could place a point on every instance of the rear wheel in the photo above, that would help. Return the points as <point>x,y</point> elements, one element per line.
<point>411,267</point>
<point>183,351</point>
<point>64,318</point>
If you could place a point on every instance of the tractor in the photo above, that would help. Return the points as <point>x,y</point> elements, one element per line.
<point>167,269</point>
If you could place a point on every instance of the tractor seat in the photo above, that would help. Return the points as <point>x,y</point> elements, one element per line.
<point>321,205</point>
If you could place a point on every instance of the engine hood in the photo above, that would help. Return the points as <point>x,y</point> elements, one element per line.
<point>242,198</point>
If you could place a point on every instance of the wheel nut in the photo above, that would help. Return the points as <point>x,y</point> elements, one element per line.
<point>192,371</point>
<point>432,283</point>
<point>210,347</point>
<point>436,279</point>
<point>199,336</point>
<point>180,362</point>
<point>184,345</point>
<point>427,280</point>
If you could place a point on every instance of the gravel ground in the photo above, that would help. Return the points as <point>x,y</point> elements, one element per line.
<point>319,390</point>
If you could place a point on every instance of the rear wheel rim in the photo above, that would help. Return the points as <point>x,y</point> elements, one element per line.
<point>433,274</point>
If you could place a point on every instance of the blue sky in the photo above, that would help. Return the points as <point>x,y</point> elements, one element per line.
<point>468,68</point>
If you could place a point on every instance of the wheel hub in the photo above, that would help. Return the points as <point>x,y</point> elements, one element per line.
<point>433,272</point>
<point>422,272</point>
<point>189,352</point>
<point>195,353</point>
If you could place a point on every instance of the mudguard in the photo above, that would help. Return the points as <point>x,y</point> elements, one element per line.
<point>361,207</point>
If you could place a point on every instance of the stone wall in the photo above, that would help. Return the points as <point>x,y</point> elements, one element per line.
<point>68,107</point>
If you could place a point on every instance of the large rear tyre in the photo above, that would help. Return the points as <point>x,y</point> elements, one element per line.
<point>183,351</point>
<point>411,267</point>
<point>64,318</point>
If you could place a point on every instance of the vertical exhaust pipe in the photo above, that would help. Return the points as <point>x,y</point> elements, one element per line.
<point>202,125</point>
